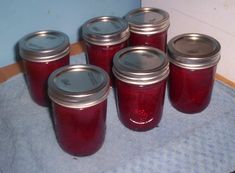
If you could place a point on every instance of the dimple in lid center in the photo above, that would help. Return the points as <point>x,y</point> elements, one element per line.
<point>81,82</point>
<point>44,42</point>
<point>147,17</point>
<point>140,60</point>
<point>194,48</point>
<point>105,27</point>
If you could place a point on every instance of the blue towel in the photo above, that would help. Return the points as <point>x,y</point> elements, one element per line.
<point>199,143</point>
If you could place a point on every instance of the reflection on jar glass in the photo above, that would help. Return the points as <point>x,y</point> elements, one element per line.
<point>141,74</point>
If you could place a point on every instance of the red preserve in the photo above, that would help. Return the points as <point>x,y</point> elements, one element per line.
<point>141,74</point>
<point>148,26</point>
<point>79,100</point>
<point>193,59</point>
<point>42,53</point>
<point>104,36</point>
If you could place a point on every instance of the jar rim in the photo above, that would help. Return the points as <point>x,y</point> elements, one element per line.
<point>78,86</point>
<point>44,46</point>
<point>148,20</point>
<point>105,30</point>
<point>194,51</point>
<point>141,65</point>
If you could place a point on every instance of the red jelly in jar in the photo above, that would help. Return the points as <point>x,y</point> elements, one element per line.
<point>148,26</point>
<point>193,59</point>
<point>79,100</point>
<point>42,53</point>
<point>104,36</point>
<point>141,74</point>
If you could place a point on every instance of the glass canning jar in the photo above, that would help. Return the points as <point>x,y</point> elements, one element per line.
<point>141,73</point>
<point>148,26</point>
<point>79,101</point>
<point>42,53</point>
<point>104,36</point>
<point>193,59</point>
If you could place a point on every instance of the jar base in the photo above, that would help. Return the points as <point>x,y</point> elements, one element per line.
<point>79,153</point>
<point>139,129</point>
<point>187,111</point>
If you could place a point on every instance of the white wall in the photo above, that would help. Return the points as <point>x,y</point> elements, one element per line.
<point>213,17</point>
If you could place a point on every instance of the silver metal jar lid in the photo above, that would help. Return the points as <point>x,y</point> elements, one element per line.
<point>78,86</point>
<point>194,51</point>
<point>105,30</point>
<point>140,65</point>
<point>148,20</point>
<point>44,46</point>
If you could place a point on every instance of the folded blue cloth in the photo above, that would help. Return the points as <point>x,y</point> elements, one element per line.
<point>203,142</point>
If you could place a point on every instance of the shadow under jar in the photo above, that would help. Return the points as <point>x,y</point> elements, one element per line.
<point>79,101</point>
<point>141,74</point>
<point>104,36</point>
<point>42,53</point>
<point>193,60</point>
<point>148,26</point>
